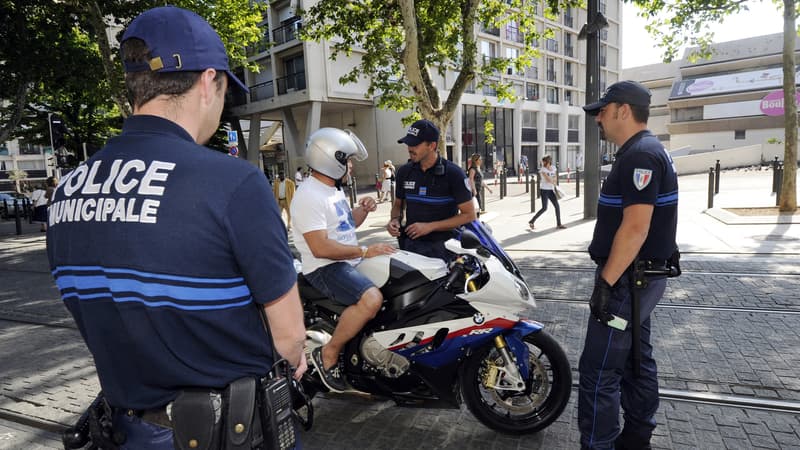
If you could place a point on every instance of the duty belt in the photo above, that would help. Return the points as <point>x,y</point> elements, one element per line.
<point>156,416</point>
<point>649,264</point>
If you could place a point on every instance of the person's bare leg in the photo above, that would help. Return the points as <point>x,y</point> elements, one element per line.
<point>352,321</point>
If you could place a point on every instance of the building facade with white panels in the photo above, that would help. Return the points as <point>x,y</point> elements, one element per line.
<point>722,102</point>
<point>298,85</point>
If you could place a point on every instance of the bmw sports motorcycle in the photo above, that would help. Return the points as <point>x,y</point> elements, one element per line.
<point>450,335</point>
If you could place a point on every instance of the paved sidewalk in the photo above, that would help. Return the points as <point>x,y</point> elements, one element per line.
<point>47,374</point>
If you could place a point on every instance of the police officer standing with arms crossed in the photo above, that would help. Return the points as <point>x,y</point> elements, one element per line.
<point>164,251</point>
<point>636,224</point>
<point>434,193</point>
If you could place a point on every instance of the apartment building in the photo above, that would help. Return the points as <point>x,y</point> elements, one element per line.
<point>298,87</point>
<point>37,161</point>
<point>723,102</point>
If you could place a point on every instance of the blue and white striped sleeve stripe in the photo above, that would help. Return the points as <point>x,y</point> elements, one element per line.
<point>87,283</point>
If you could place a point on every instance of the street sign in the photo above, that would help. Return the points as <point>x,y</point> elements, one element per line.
<point>233,138</point>
<point>234,151</point>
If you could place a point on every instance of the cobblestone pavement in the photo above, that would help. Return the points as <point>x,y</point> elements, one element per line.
<point>48,375</point>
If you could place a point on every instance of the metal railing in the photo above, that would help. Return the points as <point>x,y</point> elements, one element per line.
<point>291,82</point>
<point>287,32</point>
<point>262,91</point>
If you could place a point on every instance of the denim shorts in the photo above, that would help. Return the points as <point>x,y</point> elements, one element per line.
<point>340,281</point>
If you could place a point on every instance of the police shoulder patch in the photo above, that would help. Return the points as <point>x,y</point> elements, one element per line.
<point>641,178</point>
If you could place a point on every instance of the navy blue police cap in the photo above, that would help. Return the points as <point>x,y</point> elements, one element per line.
<point>628,92</point>
<point>179,41</point>
<point>420,131</point>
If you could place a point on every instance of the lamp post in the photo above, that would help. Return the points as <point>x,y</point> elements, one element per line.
<point>591,33</point>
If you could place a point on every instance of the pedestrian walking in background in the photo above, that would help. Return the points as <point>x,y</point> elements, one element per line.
<point>179,269</point>
<point>283,190</point>
<point>432,193</point>
<point>387,182</point>
<point>298,177</point>
<point>475,175</point>
<point>523,167</point>
<point>637,216</point>
<point>39,202</point>
<point>547,189</point>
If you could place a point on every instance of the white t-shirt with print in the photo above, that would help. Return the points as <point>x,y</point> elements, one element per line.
<point>317,206</point>
<point>550,172</point>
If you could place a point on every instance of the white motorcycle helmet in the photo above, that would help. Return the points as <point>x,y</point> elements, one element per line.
<point>328,149</point>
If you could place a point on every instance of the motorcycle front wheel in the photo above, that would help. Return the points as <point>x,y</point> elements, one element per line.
<point>547,392</point>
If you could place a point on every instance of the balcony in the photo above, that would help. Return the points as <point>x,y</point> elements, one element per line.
<point>259,47</point>
<point>513,34</point>
<point>292,82</point>
<point>494,31</point>
<point>530,135</point>
<point>262,91</point>
<point>287,32</point>
<point>551,45</point>
<point>550,135</point>
<point>572,136</point>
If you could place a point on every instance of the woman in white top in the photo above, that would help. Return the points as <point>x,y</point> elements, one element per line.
<point>547,189</point>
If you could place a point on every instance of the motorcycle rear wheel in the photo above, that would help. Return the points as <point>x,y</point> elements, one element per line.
<point>549,380</point>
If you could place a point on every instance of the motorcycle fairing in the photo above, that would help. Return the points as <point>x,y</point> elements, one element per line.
<point>389,269</point>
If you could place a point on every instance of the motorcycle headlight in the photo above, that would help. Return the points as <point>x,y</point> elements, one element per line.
<point>523,291</point>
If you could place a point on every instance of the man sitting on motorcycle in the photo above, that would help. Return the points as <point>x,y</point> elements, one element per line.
<point>324,230</point>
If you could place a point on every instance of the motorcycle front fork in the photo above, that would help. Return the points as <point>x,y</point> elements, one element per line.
<point>506,376</point>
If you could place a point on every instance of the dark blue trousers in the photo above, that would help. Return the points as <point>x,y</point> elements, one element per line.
<point>606,375</point>
<point>142,435</point>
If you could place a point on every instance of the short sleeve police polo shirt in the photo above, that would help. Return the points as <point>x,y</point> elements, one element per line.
<point>433,194</point>
<point>643,173</point>
<point>163,250</point>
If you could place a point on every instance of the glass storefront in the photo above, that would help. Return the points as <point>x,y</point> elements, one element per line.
<point>473,138</point>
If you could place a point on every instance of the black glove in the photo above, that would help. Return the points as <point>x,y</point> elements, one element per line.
<point>598,304</point>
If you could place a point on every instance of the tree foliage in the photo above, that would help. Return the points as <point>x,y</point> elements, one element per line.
<point>62,57</point>
<point>681,23</point>
<point>403,43</point>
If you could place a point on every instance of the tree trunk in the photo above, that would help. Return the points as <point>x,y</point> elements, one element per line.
<point>95,16</point>
<point>788,199</point>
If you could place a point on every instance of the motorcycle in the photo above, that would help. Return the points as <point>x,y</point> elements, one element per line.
<point>447,335</point>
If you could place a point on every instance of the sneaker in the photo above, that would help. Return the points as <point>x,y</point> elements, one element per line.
<point>332,378</point>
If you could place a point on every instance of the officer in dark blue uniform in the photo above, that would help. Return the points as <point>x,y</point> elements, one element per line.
<point>636,221</point>
<point>164,250</point>
<point>434,193</point>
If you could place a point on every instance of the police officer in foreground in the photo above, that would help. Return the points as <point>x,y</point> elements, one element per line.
<point>434,193</point>
<point>164,252</point>
<point>634,235</point>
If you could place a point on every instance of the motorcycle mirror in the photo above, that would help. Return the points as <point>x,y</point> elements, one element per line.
<point>469,240</point>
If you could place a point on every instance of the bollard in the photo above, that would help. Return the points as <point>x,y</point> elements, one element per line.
<point>5,208</point>
<point>502,175</point>
<point>527,176</point>
<point>17,218</point>
<point>710,187</point>
<point>577,183</point>
<point>775,175</point>
<point>716,179</point>
<point>533,194</point>
<point>779,182</point>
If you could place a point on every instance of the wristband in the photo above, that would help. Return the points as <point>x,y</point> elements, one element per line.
<point>364,251</point>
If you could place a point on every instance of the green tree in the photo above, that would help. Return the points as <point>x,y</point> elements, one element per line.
<point>405,41</point>
<point>57,57</point>
<point>687,22</point>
